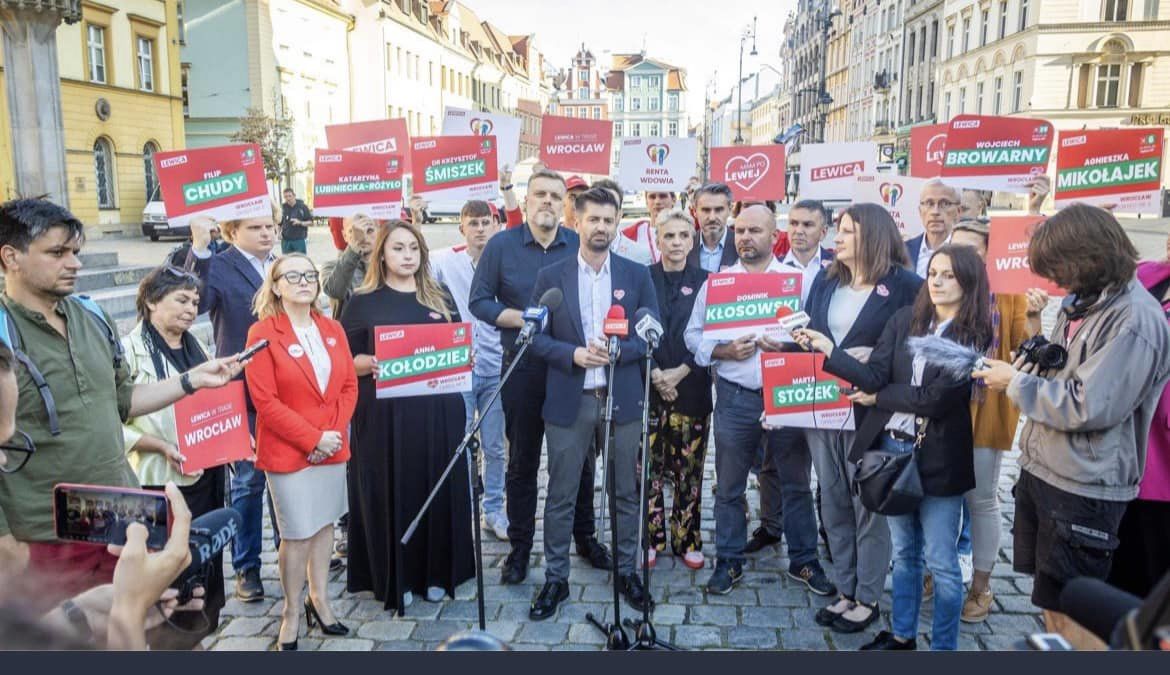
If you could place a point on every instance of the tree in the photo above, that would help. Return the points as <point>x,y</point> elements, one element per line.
<point>273,135</point>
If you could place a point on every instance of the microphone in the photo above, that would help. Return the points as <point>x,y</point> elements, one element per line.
<point>790,320</point>
<point>210,534</point>
<point>536,318</point>
<point>1103,610</point>
<point>647,327</point>
<point>615,328</point>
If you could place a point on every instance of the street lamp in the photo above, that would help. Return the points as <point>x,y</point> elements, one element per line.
<point>747,32</point>
<point>823,99</point>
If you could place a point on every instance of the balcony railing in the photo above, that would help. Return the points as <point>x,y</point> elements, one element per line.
<point>881,81</point>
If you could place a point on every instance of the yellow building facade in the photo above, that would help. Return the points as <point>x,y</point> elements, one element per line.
<point>121,100</point>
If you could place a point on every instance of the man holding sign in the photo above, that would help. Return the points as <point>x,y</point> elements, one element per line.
<point>739,406</point>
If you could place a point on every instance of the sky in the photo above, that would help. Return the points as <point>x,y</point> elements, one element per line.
<point>699,35</point>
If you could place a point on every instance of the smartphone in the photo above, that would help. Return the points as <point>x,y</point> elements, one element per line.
<point>849,391</point>
<point>251,351</point>
<point>100,514</point>
<point>1049,642</point>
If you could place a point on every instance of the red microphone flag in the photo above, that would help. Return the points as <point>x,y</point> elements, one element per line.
<point>616,324</point>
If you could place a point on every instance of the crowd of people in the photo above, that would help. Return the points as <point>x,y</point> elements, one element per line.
<point>79,404</point>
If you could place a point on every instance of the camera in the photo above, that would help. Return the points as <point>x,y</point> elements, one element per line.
<point>1044,354</point>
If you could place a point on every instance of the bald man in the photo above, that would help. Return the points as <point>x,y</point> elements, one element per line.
<point>938,204</point>
<point>739,405</point>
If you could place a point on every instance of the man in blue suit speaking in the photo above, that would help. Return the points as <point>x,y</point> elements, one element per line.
<point>576,352</point>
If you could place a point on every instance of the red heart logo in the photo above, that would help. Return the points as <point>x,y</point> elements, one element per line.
<point>746,171</point>
<point>481,127</point>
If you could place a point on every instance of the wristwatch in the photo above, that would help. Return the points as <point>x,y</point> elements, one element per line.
<point>505,188</point>
<point>185,382</point>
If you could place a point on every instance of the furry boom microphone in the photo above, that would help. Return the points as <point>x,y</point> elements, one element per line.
<point>953,358</point>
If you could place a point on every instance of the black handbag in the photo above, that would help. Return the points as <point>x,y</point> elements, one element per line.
<point>888,482</point>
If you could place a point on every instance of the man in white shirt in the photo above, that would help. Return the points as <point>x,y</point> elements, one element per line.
<point>739,407</point>
<point>938,204</point>
<point>637,242</point>
<point>455,267</point>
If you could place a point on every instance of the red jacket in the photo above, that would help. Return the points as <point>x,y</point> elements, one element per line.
<point>291,412</point>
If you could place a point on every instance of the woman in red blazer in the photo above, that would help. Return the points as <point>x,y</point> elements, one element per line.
<point>304,389</point>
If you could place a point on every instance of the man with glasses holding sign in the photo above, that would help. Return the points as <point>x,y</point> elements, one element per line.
<point>938,204</point>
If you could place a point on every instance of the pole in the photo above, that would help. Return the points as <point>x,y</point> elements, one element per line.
<point>739,106</point>
<point>822,112</point>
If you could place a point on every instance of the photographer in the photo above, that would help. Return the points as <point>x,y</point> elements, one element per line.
<point>1089,413</point>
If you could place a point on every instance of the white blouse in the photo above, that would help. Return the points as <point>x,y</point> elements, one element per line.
<point>310,339</point>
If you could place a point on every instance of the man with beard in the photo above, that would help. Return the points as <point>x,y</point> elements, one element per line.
<point>500,290</point>
<point>715,249</point>
<point>637,242</point>
<point>739,405</point>
<point>575,350</point>
<point>938,204</point>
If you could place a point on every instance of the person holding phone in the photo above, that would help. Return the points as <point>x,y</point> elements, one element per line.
<point>304,388</point>
<point>918,407</point>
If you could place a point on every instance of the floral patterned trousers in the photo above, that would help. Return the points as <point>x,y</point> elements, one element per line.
<point>678,446</point>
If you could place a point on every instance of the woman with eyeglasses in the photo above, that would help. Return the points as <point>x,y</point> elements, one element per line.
<point>304,389</point>
<point>158,347</point>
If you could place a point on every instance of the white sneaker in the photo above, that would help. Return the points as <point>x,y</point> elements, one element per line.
<point>407,599</point>
<point>435,594</point>
<point>498,524</point>
<point>966,567</point>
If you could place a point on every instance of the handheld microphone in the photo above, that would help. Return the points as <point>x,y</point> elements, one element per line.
<point>210,534</point>
<point>536,318</point>
<point>790,320</point>
<point>647,327</point>
<point>615,328</point>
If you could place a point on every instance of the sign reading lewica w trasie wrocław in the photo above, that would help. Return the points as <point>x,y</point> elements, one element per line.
<point>996,153</point>
<point>225,182</point>
<point>347,183</point>
<point>1119,167</point>
<point>455,168</point>
<point>422,359</point>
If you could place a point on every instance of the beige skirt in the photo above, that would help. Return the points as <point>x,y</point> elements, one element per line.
<point>309,499</point>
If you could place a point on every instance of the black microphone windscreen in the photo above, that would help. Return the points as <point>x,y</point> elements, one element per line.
<point>552,299</point>
<point>1096,605</point>
<point>641,313</point>
<point>211,533</point>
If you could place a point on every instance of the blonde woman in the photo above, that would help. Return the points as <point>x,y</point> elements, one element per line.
<point>304,389</point>
<point>401,445</point>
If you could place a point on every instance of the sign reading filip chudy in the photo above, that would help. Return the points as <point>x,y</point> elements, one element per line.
<point>347,183</point>
<point>422,359</point>
<point>224,182</point>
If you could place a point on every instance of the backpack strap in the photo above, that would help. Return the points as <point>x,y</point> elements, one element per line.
<point>11,336</point>
<point>99,318</point>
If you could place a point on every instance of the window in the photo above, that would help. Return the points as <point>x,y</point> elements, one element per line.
<point>1135,85</point>
<point>583,77</point>
<point>934,39</point>
<point>997,97</point>
<point>148,151</point>
<point>596,112</point>
<point>96,44</point>
<point>655,101</point>
<point>922,45</point>
<point>672,127</point>
<point>145,64</point>
<point>103,169</point>
<point>654,128</point>
<point>1108,85</point>
<point>1017,90</point>
<point>617,129</point>
<point>635,129</point>
<point>1023,15</point>
<point>951,41</point>
<point>417,70</point>
<point>183,78</point>
<point>946,107</point>
<point>962,101</point>
<point>672,103</point>
<point>979,98</point>
<point>182,24</point>
<point>619,103</point>
<point>636,104</point>
<point>913,37</point>
<point>920,101</point>
<point>635,81</point>
<point>1002,18</point>
<point>966,34</point>
<point>583,93</point>
<point>1116,10</point>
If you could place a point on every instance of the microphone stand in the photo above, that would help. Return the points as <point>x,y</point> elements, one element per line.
<point>616,639</point>
<point>645,637</point>
<point>466,449</point>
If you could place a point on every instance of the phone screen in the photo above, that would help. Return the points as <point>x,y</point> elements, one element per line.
<point>98,514</point>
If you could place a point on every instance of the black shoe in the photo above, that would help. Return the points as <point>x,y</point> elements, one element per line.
<point>814,577</point>
<point>545,604</point>
<point>313,618</point>
<point>248,586</point>
<point>595,552</point>
<point>760,538</point>
<point>515,568</point>
<point>336,564</point>
<point>635,595</point>
<point>885,641</point>
<point>825,617</point>
<point>725,576</point>
<point>286,646</point>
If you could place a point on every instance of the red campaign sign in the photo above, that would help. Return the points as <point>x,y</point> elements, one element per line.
<point>380,137</point>
<point>799,393</point>
<point>346,183</point>
<point>212,427</point>
<point>1122,167</point>
<point>455,168</point>
<point>927,144</point>
<point>996,153</point>
<point>1007,256</point>
<point>422,359</point>
<point>753,172</point>
<point>225,182</point>
<point>572,144</point>
<point>745,303</point>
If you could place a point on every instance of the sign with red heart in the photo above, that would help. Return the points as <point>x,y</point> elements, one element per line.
<point>657,164</point>
<point>506,129</point>
<point>753,172</point>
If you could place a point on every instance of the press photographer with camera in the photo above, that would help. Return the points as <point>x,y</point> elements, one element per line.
<point>1089,397</point>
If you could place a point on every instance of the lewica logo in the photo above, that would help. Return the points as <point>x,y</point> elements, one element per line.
<point>891,193</point>
<point>657,153</point>
<point>966,124</point>
<point>481,127</point>
<point>182,159</point>
<point>248,156</point>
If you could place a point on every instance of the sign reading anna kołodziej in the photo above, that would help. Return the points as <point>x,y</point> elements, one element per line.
<point>422,359</point>
<point>996,153</point>
<point>746,304</point>
<point>346,183</point>
<point>1122,167</point>
<point>455,168</point>
<point>225,182</point>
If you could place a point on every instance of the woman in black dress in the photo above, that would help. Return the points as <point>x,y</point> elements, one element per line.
<point>401,445</point>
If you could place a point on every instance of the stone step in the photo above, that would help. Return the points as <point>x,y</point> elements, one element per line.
<point>99,260</point>
<point>94,280</point>
<point>117,301</point>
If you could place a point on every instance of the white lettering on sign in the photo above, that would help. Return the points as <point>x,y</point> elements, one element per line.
<point>967,124</point>
<point>392,335</point>
<point>173,161</point>
<point>725,281</point>
<point>1011,263</point>
<point>837,171</point>
<point>1073,140</point>
<point>217,428</point>
<point>571,148</point>
<point>379,147</point>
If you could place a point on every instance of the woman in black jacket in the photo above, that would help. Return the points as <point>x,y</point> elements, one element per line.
<point>912,399</point>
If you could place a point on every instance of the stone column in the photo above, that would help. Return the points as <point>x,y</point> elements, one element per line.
<point>34,94</point>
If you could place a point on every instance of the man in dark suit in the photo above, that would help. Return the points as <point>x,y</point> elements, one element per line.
<point>715,249</point>
<point>577,355</point>
<point>938,204</point>
<point>230,280</point>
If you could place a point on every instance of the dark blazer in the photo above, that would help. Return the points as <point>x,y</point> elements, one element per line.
<point>694,392</point>
<point>946,459</point>
<point>730,256</point>
<point>914,247</point>
<point>229,284</point>
<point>565,380</point>
<point>901,288</point>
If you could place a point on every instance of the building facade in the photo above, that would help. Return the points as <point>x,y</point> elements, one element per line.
<point>583,92</point>
<point>922,21</point>
<point>765,117</point>
<point>647,98</point>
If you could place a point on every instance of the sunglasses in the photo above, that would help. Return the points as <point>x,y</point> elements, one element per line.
<point>180,273</point>
<point>16,452</point>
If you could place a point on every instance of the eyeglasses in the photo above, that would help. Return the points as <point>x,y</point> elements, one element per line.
<point>16,452</point>
<point>298,277</point>
<point>930,204</point>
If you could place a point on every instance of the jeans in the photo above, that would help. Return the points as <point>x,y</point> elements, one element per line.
<point>738,433</point>
<point>965,531</point>
<point>926,535</point>
<point>491,439</point>
<point>294,246</point>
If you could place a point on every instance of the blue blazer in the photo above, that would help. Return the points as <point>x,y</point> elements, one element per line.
<point>914,247</point>
<point>229,285</point>
<point>901,288</point>
<point>565,380</point>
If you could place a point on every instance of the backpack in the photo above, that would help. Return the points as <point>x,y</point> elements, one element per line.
<point>11,337</point>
